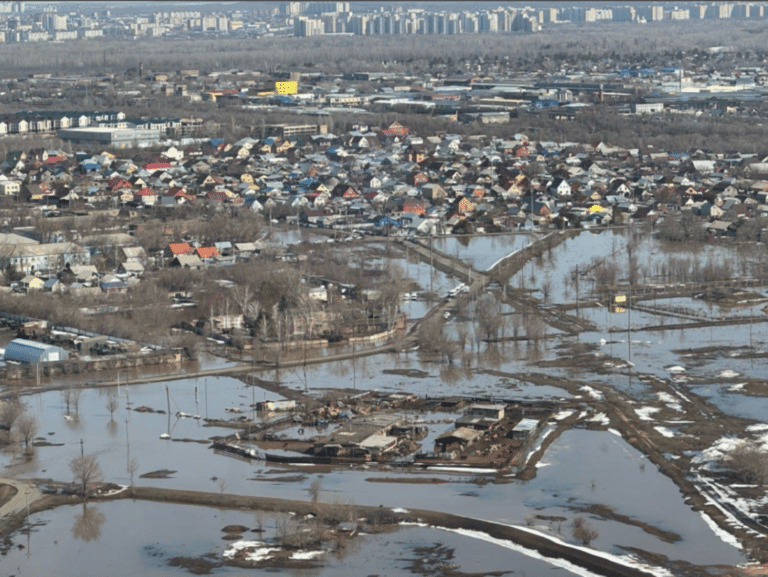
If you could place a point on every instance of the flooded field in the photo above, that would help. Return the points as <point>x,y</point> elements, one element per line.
<point>591,473</point>
<point>481,252</point>
<point>103,544</point>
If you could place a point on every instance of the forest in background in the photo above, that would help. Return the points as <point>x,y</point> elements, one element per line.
<point>576,44</point>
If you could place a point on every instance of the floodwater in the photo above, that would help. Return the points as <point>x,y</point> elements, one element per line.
<point>481,252</point>
<point>145,536</point>
<point>589,247</point>
<point>581,467</point>
<point>576,458</point>
<point>129,434</point>
<point>406,372</point>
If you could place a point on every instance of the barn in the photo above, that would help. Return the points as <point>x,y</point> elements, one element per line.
<point>25,351</point>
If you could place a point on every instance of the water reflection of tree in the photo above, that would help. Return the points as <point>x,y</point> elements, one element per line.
<point>451,374</point>
<point>492,356</point>
<point>112,428</point>
<point>87,526</point>
<point>534,351</point>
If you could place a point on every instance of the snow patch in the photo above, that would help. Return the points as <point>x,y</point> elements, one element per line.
<point>116,491</point>
<point>728,374</point>
<point>299,555</point>
<point>675,369</point>
<point>255,550</point>
<point>736,387</point>
<point>600,418</point>
<point>615,432</point>
<point>718,449</point>
<point>561,563</point>
<point>626,560</point>
<point>562,415</point>
<point>400,510</point>
<point>645,413</point>
<point>594,393</point>
<point>724,535</point>
<point>461,469</point>
<point>758,427</point>
<point>670,401</point>
<point>543,436</point>
<point>665,432</point>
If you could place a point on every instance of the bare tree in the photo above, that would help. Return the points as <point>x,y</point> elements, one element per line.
<point>314,489</point>
<point>133,466</point>
<point>86,471</point>
<point>111,405</point>
<point>26,429</point>
<point>583,531</point>
<point>259,519</point>
<point>432,338</point>
<point>222,483</point>
<point>488,316</point>
<point>749,461</point>
<point>546,289</point>
<point>10,410</point>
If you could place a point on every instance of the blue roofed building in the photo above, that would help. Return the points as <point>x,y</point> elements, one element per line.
<point>26,351</point>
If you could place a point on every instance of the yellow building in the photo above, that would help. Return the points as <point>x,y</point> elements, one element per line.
<point>286,87</point>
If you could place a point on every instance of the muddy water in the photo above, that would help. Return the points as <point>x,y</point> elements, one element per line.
<point>481,252</point>
<point>139,538</point>
<point>130,434</point>
<point>408,373</point>
<point>576,459</point>
<point>612,244</point>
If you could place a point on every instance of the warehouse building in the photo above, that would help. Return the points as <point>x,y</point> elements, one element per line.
<point>25,351</point>
<point>117,137</point>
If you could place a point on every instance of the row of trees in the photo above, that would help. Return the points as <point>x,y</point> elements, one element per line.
<point>486,322</point>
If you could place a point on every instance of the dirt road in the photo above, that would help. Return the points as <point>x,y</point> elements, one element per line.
<point>26,492</point>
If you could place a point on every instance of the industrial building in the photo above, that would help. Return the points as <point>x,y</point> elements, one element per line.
<point>117,137</point>
<point>25,351</point>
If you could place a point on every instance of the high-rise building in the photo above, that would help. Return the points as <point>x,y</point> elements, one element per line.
<point>679,14</point>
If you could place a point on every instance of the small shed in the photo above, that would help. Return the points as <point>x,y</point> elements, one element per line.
<point>26,351</point>
<point>482,416</point>
<point>525,428</point>
<point>376,444</point>
<point>456,439</point>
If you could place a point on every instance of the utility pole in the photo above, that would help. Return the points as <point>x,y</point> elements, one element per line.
<point>577,290</point>
<point>127,448</point>
<point>168,400</point>
<point>82,451</point>
<point>431,265</point>
<point>629,309</point>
